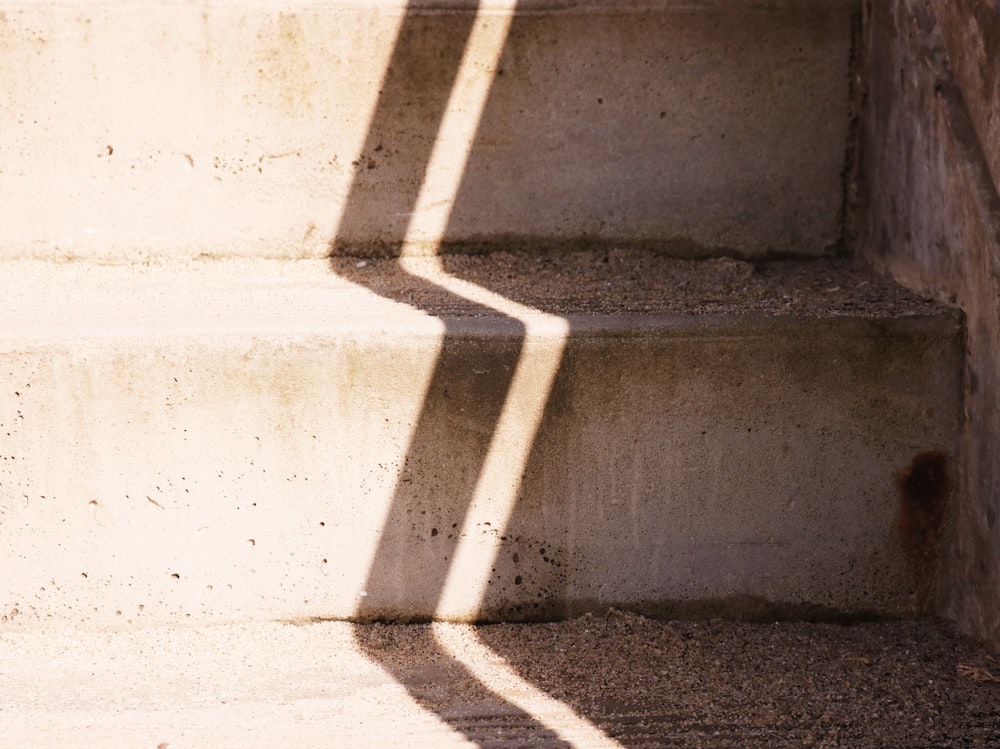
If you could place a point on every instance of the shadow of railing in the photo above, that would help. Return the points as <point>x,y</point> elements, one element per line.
<point>465,408</point>
<point>508,366</point>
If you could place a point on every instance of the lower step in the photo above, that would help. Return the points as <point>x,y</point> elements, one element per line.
<point>502,438</point>
<point>507,686</point>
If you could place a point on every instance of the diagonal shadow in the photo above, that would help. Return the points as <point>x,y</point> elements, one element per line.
<point>412,101</point>
<point>462,407</point>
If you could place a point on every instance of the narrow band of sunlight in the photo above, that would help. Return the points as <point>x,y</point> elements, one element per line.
<point>461,643</point>
<point>496,492</point>
<point>544,342</point>
<point>446,165</point>
<point>499,484</point>
<point>545,335</point>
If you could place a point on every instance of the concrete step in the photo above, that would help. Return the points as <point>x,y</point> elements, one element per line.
<point>614,682</point>
<point>288,129</point>
<point>505,437</point>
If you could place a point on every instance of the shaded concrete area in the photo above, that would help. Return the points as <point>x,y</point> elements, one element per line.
<point>558,518</point>
<point>580,391</point>
<point>705,383</point>
<point>612,682</point>
<point>563,513</point>
<point>659,125</point>
<point>930,215</point>
<point>460,413</point>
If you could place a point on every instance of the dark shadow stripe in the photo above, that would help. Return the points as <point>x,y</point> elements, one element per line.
<point>471,380</point>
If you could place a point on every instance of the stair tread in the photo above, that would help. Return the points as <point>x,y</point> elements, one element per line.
<point>261,297</point>
<point>602,681</point>
<point>638,282</point>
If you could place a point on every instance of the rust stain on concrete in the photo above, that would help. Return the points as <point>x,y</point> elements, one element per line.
<point>924,489</point>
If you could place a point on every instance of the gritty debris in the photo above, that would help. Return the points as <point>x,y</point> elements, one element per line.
<point>630,281</point>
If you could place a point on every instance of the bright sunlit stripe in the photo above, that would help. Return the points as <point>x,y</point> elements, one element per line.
<point>457,132</point>
<point>545,335</point>
<point>544,342</point>
<point>495,495</point>
<point>461,643</point>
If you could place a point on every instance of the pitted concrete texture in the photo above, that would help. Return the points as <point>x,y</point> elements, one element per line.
<point>282,129</point>
<point>610,681</point>
<point>931,217</point>
<point>217,441</point>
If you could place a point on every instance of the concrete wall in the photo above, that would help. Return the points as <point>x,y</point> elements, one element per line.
<point>929,167</point>
<point>179,128</point>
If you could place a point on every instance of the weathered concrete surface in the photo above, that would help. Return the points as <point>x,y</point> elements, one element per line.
<point>603,682</point>
<point>238,440</point>
<point>138,129</point>
<point>931,217</point>
<point>970,30</point>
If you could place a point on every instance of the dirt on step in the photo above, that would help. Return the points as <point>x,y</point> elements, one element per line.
<point>649,684</point>
<point>610,680</point>
<point>628,281</point>
<point>722,684</point>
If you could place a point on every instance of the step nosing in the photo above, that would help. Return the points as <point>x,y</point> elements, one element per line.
<point>590,293</point>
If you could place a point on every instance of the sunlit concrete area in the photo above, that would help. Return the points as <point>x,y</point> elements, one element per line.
<point>499,373</point>
<point>261,129</point>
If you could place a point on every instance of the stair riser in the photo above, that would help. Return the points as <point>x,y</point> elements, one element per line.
<point>679,467</point>
<point>176,129</point>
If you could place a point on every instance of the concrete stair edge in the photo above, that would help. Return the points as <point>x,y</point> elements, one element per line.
<point>460,467</point>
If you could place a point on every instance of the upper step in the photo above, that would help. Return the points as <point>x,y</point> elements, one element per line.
<point>299,128</point>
